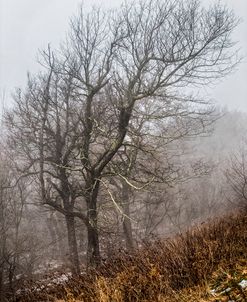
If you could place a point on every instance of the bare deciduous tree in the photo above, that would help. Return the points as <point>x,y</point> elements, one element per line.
<point>124,66</point>
<point>13,245</point>
<point>236,175</point>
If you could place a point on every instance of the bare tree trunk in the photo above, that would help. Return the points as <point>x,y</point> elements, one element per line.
<point>127,226</point>
<point>73,251</point>
<point>93,251</point>
<point>59,235</point>
<point>52,231</point>
<point>2,299</point>
<point>11,273</point>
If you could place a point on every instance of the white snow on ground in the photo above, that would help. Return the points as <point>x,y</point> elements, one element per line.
<point>243,283</point>
<point>61,279</point>
<point>226,290</point>
<point>46,283</point>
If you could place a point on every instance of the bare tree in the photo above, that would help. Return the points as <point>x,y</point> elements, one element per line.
<point>124,66</point>
<point>13,245</point>
<point>236,175</point>
<point>45,131</point>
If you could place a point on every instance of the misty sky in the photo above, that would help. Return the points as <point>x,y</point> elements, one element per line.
<point>29,25</point>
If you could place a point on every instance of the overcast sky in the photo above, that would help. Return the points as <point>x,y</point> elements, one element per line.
<point>29,25</point>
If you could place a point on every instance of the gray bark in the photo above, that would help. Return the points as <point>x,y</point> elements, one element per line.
<point>73,251</point>
<point>127,226</point>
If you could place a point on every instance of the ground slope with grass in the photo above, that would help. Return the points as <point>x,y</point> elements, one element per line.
<point>206,263</point>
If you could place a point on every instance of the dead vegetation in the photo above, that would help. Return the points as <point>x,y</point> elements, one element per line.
<point>198,265</point>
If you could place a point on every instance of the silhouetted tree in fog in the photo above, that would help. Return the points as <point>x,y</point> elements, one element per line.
<point>121,66</point>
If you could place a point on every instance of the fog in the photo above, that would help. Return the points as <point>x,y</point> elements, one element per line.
<point>133,130</point>
<point>26,26</point>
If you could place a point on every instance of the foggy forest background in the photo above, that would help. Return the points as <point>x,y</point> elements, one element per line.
<point>111,145</point>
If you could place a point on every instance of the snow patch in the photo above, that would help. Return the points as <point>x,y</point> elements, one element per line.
<point>243,283</point>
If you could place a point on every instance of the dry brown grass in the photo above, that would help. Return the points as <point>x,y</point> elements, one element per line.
<point>178,269</point>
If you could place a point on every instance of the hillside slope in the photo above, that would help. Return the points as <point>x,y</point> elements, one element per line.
<point>207,263</point>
